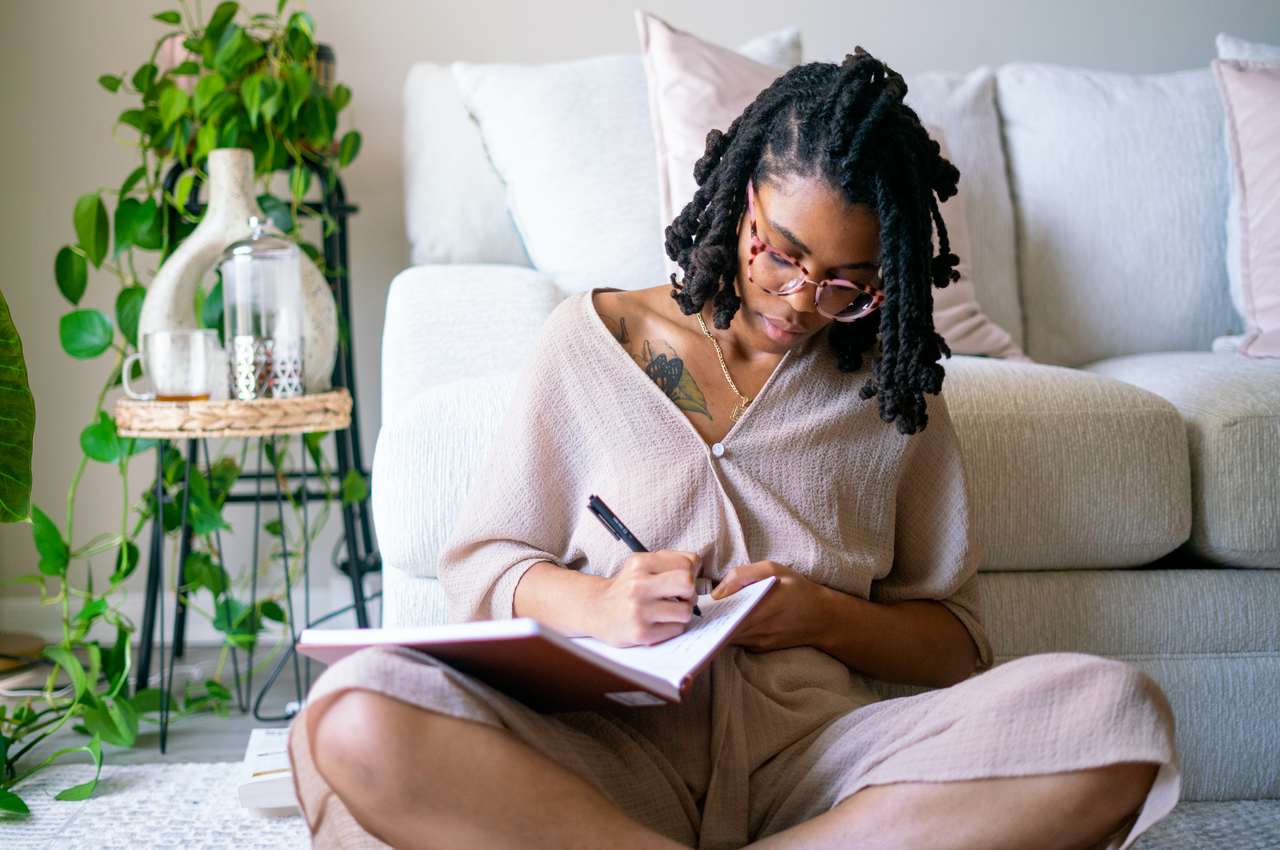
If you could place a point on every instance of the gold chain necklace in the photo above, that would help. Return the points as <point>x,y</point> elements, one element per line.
<point>743,401</point>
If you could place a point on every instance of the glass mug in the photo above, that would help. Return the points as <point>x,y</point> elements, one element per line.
<point>183,365</point>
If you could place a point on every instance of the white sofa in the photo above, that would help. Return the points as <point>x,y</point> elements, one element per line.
<point>1127,483</point>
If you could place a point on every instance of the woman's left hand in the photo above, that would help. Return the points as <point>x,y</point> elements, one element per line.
<point>787,616</point>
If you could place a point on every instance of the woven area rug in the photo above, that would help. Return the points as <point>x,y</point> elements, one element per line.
<point>194,806</point>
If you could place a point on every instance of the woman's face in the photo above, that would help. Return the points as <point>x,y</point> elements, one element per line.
<point>806,219</point>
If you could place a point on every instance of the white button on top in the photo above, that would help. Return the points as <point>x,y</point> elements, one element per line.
<point>718,450</point>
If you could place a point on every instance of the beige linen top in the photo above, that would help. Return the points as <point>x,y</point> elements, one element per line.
<point>809,476</point>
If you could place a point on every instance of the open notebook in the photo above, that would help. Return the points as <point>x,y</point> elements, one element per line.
<point>551,672</point>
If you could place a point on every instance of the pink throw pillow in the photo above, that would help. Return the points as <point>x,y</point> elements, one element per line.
<point>1250,93</point>
<point>695,85</point>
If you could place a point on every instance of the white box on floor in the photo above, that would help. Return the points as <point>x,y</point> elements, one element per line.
<point>266,782</point>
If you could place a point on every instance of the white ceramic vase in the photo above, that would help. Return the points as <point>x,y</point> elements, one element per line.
<point>231,200</point>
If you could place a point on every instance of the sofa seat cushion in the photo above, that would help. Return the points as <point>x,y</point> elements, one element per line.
<point>1069,469</point>
<point>1209,638</point>
<point>1231,407</point>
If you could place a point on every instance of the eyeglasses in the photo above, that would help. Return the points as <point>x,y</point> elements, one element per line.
<point>781,274</point>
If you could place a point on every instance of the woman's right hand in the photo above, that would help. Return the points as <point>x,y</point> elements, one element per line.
<point>649,600</point>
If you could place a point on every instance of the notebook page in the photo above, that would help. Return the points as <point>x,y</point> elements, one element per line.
<point>676,656</point>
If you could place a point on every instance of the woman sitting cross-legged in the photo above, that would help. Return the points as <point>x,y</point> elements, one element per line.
<point>765,415</point>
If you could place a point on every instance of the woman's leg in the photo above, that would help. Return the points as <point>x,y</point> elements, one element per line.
<point>420,779</point>
<point>1074,810</point>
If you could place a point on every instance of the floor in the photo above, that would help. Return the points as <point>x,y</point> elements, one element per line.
<point>199,737</point>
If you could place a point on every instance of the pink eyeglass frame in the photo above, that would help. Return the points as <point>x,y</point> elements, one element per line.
<point>759,246</point>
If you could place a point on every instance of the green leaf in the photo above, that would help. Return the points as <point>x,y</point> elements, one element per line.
<point>126,562</point>
<point>62,656</point>
<point>131,216</point>
<point>206,89</point>
<point>206,139</point>
<point>230,616</point>
<point>299,180</point>
<point>271,610</point>
<point>100,441</point>
<point>251,92</point>
<point>186,69</point>
<point>110,82</point>
<point>128,309</point>
<point>11,802</point>
<point>18,410</point>
<point>348,148</point>
<point>92,608</point>
<point>132,180</point>
<point>299,36</point>
<point>201,571</point>
<point>206,517</point>
<point>72,274</point>
<point>341,97</point>
<point>211,310</point>
<point>273,527</point>
<point>173,104</point>
<point>354,487</point>
<point>314,440</point>
<point>85,333</point>
<point>144,77</point>
<point>82,791</point>
<point>279,211</point>
<point>219,20</point>
<point>169,17</point>
<point>182,189</point>
<point>53,550</point>
<point>91,227</point>
<point>147,700</point>
<point>319,121</point>
<point>298,81</point>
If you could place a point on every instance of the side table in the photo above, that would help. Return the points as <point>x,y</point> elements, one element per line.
<point>196,422</point>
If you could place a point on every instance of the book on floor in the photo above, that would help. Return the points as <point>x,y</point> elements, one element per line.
<point>266,781</point>
<point>552,672</point>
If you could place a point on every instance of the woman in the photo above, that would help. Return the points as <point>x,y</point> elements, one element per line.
<point>744,453</point>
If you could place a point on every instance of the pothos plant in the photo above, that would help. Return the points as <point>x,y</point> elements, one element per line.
<point>229,81</point>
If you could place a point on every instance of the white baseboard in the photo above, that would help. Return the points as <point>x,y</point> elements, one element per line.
<point>26,614</point>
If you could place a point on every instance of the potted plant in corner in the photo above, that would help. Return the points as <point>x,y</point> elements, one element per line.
<point>253,82</point>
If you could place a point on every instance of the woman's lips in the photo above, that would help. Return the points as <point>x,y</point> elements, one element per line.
<point>778,331</point>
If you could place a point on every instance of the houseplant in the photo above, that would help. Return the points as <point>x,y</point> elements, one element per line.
<point>233,80</point>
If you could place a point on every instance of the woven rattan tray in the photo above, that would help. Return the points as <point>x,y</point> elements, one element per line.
<point>327,411</point>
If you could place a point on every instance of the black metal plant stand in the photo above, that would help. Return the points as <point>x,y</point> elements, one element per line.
<point>359,554</point>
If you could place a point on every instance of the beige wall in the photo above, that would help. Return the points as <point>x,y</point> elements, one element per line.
<point>57,139</point>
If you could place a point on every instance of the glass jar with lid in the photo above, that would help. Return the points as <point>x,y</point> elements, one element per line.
<point>262,314</point>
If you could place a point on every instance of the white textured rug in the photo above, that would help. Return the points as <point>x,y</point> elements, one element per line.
<point>188,805</point>
<point>194,806</point>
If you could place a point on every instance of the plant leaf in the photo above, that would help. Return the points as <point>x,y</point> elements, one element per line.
<point>82,791</point>
<point>128,310</point>
<point>348,148</point>
<point>72,274</point>
<point>110,82</point>
<point>169,17</point>
<point>132,180</point>
<point>341,97</point>
<point>18,410</point>
<point>173,104</point>
<point>271,610</point>
<point>222,15</point>
<point>206,89</point>
<point>85,333</point>
<point>53,550</point>
<point>100,441</point>
<point>91,226</point>
<point>299,180</point>
<point>126,562</point>
<point>62,656</point>
<point>11,802</point>
<point>354,487</point>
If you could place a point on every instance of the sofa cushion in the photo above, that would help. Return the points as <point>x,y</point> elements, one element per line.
<point>1120,204</point>
<point>573,145</point>
<point>1070,470</point>
<point>1208,637</point>
<point>444,323</point>
<point>1231,407</point>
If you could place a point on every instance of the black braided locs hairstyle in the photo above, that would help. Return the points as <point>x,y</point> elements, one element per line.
<point>848,124</point>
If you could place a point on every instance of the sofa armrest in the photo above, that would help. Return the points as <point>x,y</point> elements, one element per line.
<point>424,462</point>
<point>446,323</point>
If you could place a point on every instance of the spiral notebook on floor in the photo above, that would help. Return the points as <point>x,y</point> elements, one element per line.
<point>551,672</point>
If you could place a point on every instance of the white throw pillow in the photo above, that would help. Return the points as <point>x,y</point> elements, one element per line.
<point>1121,199</point>
<point>573,144</point>
<point>695,86</point>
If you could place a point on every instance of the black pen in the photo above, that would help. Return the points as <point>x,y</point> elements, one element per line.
<point>616,527</point>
